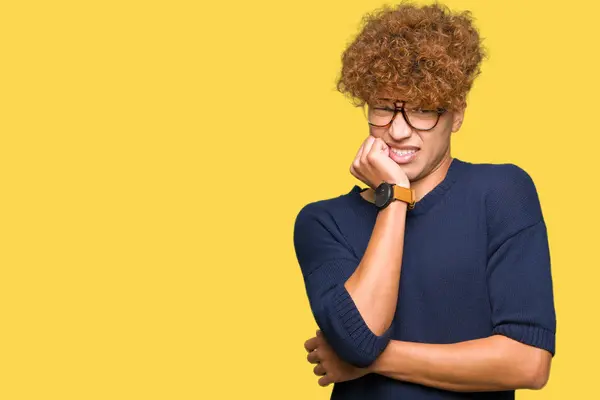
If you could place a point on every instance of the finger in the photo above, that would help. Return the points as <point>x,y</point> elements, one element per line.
<point>357,157</point>
<point>368,144</point>
<point>356,162</point>
<point>362,147</point>
<point>373,157</point>
<point>355,173</point>
<point>356,166</point>
<point>325,380</point>
<point>313,357</point>
<point>379,146</point>
<point>360,150</point>
<point>311,344</point>
<point>319,370</point>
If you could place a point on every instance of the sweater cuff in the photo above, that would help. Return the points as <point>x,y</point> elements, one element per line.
<point>359,335</point>
<point>529,334</point>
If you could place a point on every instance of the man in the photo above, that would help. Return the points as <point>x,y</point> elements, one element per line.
<point>433,282</point>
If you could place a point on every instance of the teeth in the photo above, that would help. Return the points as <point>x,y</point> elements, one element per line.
<point>403,152</point>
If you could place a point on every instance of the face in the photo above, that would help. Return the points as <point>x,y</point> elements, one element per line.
<point>431,147</point>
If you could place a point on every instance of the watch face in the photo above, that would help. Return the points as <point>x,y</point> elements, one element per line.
<point>383,194</point>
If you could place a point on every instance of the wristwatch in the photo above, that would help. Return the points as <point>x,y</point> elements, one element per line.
<point>386,192</point>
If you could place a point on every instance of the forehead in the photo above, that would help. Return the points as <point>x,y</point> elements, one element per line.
<point>390,100</point>
<point>391,97</point>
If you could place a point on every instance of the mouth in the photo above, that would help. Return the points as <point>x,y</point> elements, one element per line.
<point>403,156</point>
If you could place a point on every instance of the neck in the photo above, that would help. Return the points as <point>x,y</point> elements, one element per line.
<point>429,182</point>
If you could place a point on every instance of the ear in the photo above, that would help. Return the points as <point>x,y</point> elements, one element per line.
<point>457,119</point>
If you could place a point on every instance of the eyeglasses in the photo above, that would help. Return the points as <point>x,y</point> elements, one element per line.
<point>381,115</point>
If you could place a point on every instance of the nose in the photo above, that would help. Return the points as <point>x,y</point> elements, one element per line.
<point>400,129</point>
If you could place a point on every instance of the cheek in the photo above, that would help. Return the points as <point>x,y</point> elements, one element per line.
<point>440,138</point>
<point>435,143</point>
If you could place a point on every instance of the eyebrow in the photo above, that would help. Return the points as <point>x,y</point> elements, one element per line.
<point>385,99</point>
<point>396,100</point>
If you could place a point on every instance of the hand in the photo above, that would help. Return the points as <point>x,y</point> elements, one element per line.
<point>373,164</point>
<point>328,364</point>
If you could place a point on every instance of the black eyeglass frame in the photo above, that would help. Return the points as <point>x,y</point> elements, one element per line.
<point>400,109</point>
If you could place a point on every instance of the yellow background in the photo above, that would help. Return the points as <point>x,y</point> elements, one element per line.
<point>154,155</point>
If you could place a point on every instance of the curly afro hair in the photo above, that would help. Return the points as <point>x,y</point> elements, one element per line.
<point>428,54</point>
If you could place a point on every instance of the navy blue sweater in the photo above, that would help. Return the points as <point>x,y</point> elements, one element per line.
<point>476,263</point>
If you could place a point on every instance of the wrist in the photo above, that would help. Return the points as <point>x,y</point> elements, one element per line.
<point>399,205</point>
<point>399,181</point>
<point>374,367</point>
<point>402,182</point>
<point>396,361</point>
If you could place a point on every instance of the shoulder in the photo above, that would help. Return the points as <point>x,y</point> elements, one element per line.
<point>505,183</point>
<point>510,198</point>
<point>338,217</point>
<point>317,234</point>
<point>510,177</point>
<point>498,177</point>
<point>510,187</point>
<point>324,209</point>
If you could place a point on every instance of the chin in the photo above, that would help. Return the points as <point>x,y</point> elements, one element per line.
<point>411,174</point>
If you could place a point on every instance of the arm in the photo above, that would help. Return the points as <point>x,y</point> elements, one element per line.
<point>489,364</point>
<point>518,353</point>
<point>374,284</point>
<point>353,300</point>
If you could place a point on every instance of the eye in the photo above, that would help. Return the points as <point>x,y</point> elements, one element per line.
<point>422,111</point>
<point>382,104</point>
<point>382,107</point>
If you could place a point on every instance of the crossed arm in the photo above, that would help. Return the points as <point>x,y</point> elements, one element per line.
<point>489,364</point>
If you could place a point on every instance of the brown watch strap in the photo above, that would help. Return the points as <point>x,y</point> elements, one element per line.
<point>405,194</point>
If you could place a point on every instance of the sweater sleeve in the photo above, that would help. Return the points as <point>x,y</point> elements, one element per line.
<point>326,262</point>
<point>518,271</point>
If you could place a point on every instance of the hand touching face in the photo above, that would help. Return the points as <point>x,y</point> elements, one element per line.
<point>373,164</point>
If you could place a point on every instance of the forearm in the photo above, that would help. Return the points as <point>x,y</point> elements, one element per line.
<point>488,364</point>
<point>374,284</point>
